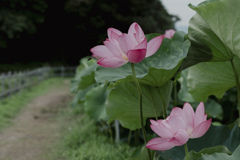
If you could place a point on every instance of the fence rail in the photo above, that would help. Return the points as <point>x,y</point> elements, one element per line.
<point>13,82</point>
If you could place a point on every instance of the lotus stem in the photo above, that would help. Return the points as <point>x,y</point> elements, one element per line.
<point>186,151</point>
<point>238,89</point>
<point>129,137</point>
<point>117,131</point>
<point>175,94</point>
<point>163,107</point>
<point>154,106</point>
<point>140,105</point>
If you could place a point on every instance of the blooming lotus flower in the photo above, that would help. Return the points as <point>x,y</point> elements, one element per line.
<point>169,33</point>
<point>121,48</point>
<point>178,127</point>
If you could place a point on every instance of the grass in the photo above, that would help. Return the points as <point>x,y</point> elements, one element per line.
<point>84,141</point>
<point>10,107</point>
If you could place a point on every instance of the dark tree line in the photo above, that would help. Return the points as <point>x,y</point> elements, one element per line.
<point>63,31</point>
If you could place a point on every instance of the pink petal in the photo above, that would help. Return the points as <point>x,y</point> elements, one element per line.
<point>163,130</point>
<point>136,55</point>
<point>135,28</point>
<point>139,33</point>
<point>111,62</point>
<point>113,33</point>
<point>199,114</point>
<point>177,123</point>
<point>113,49</point>
<point>101,51</point>
<point>169,33</point>
<point>177,110</point>
<point>131,29</point>
<point>153,45</point>
<point>127,42</point>
<point>180,138</point>
<point>153,122</point>
<point>159,144</point>
<point>159,121</point>
<point>201,129</point>
<point>188,115</point>
<point>142,45</point>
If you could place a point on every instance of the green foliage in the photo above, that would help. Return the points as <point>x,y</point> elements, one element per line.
<point>214,38</point>
<point>155,70</point>
<point>211,78</point>
<point>123,103</point>
<point>84,78</point>
<point>213,34</point>
<point>208,151</point>
<point>84,75</point>
<point>20,17</point>
<point>97,14</point>
<point>183,93</point>
<point>95,103</point>
<point>215,136</point>
<point>85,141</point>
<point>216,156</point>
<point>141,153</point>
<point>213,109</point>
<point>88,93</point>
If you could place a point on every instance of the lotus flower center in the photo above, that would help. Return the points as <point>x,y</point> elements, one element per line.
<point>189,131</point>
<point>124,57</point>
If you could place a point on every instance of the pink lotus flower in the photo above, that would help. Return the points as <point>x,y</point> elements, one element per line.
<point>169,33</point>
<point>178,127</point>
<point>120,47</point>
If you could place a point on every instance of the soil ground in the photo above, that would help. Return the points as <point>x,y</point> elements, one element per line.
<point>36,128</point>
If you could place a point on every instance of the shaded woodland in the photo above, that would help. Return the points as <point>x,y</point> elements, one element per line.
<point>63,31</point>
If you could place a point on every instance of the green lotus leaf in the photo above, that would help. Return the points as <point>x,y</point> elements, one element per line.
<point>217,156</point>
<point>214,32</point>
<point>95,103</point>
<point>183,93</point>
<point>123,103</point>
<point>211,78</point>
<point>215,136</point>
<point>141,153</point>
<point>208,151</point>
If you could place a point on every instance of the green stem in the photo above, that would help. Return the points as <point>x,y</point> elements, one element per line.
<point>136,137</point>
<point>154,106</point>
<point>163,107</point>
<point>186,151</point>
<point>129,136</point>
<point>238,89</point>
<point>140,105</point>
<point>175,94</point>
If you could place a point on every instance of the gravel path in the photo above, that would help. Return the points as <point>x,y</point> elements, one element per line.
<point>36,127</point>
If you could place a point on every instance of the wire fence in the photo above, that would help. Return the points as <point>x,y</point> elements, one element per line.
<point>13,82</point>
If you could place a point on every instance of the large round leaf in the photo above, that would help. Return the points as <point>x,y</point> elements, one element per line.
<point>95,103</point>
<point>208,151</point>
<point>214,32</point>
<point>183,93</point>
<point>211,78</point>
<point>155,70</point>
<point>123,103</point>
<point>80,96</point>
<point>141,153</point>
<point>217,156</point>
<point>215,136</point>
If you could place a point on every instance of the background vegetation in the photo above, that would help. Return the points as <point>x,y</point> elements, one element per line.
<point>63,31</point>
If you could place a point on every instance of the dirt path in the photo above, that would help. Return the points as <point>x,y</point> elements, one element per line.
<point>36,127</point>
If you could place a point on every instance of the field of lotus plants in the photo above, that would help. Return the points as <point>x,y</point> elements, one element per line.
<point>175,95</point>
